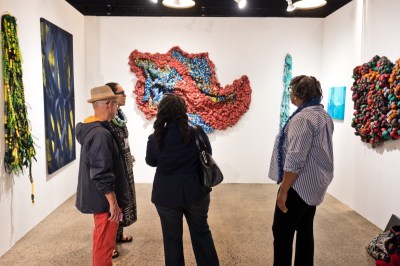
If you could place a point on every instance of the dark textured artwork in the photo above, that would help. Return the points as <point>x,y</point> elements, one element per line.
<point>58,88</point>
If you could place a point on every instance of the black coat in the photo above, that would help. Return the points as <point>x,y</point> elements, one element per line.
<point>176,181</point>
<point>101,169</point>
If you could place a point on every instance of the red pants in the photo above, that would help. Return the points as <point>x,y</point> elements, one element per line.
<point>104,235</point>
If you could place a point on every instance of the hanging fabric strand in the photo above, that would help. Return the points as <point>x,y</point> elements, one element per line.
<point>285,103</point>
<point>19,149</point>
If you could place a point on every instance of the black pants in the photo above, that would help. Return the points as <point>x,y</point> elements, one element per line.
<point>300,219</point>
<point>172,227</point>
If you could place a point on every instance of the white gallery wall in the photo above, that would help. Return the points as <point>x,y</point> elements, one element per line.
<point>342,46</point>
<point>326,48</point>
<point>255,47</point>
<point>366,179</point>
<point>17,215</point>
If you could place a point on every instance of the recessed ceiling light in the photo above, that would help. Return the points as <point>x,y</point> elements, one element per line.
<point>241,3</point>
<point>309,4</point>
<point>290,6</point>
<point>178,3</point>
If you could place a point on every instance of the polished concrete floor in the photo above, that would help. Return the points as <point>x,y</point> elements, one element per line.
<point>240,218</point>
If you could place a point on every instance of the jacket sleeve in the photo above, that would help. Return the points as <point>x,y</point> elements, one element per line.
<point>150,156</point>
<point>101,161</point>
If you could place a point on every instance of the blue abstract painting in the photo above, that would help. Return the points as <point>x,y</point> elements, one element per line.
<point>336,102</point>
<point>59,100</point>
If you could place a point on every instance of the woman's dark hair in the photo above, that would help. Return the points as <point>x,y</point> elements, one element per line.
<point>172,107</point>
<point>112,85</point>
<point>306,88</point>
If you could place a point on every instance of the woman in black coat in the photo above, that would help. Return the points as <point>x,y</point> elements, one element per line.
<point>177,188</point>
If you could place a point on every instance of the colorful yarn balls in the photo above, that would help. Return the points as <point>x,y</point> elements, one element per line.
<point>376,97</point>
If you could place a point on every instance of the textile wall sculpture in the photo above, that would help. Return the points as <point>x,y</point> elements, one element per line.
<point>192,76</point>
<point>19,146</point>
<point>285,102</point>
<point>376,97</point>
<point>58,88</point>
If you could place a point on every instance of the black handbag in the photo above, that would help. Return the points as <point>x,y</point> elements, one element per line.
<point>210,172</point>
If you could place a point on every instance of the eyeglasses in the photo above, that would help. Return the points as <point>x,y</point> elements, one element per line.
<point>120,93</point>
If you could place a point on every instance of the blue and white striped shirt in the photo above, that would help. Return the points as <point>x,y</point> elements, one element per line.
<point>307,151</point>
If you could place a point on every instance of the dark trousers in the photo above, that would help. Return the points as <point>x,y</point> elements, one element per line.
<point>172,227</point>
<point>299,218</point>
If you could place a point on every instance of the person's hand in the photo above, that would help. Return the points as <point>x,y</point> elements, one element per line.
<point>281,201</point>
<point>115,213</point>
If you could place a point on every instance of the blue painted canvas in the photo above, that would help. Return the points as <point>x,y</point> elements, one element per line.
<point>336,102</point>
<point>59,100</point>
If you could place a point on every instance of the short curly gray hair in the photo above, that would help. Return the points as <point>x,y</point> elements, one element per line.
<point>306,88</point>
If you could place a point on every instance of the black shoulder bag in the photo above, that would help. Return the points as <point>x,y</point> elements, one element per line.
<point>210,172</point>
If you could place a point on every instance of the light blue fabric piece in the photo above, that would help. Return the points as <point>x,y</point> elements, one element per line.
<point>285,103</point>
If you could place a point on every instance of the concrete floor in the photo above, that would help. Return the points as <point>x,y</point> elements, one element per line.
<point>240,219</point>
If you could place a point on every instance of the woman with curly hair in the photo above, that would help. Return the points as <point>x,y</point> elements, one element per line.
<point>302,162</point>
<point>177,188</point>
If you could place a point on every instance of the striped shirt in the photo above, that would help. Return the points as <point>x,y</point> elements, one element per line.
<point>307,151</point>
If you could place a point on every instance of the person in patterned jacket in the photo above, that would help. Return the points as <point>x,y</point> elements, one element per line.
<point>118,128</point>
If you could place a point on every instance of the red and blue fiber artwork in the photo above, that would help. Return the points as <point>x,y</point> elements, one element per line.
<point>192,76</point>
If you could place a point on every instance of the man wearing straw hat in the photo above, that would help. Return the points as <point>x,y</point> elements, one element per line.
<point>102,183</point>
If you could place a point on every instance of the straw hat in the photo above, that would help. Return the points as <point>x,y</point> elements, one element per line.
<point>101,93</point>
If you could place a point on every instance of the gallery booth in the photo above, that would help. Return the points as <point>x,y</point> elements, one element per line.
<point>247,50</point>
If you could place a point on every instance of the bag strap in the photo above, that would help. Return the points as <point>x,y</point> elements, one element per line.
<point>202,140</point>
<point>199,139</point>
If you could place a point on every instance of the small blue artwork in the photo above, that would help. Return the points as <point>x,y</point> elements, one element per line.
<point>336,101</point>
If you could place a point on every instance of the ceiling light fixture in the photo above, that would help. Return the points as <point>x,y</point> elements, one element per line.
<point>154,1</point>
<point>309,4</point>
<point>290,6</point>
<point>178,3</point>
<point>241,3</point>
